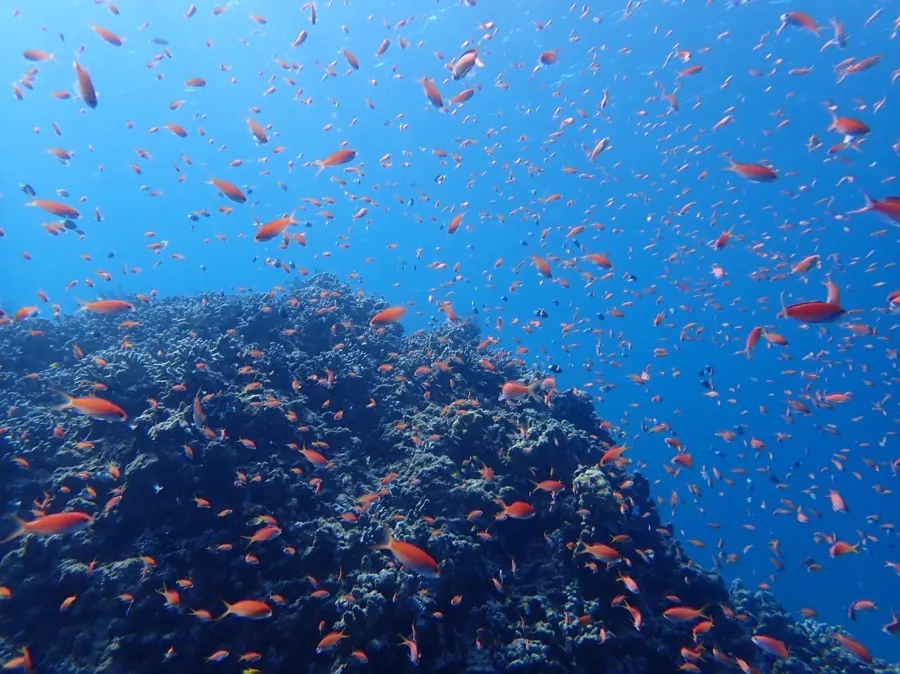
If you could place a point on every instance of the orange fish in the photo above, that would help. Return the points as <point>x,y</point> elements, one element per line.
<point>411,556</point>
<point>800,20</point>
<point>513,390</point>
<point>274,228</point>
<point>85,86</point>
<point>37,55</point>
<point>52,525</point>
<point>351,58</point>
<point>680,614</point>
<point>251,609</point>
<point>259,133</point>
<point>107,306</point>
<point>465,63</point>
<point>228,189</point>
<point>330,641</point>
<point>856,649</point>
<point>770,645</point>
<point>93,407</point>
<point>387,316</point>
<point>56,208</point>
<point>840,548</point>
<point>599,551</point>
<point>108,35</point>
<point>336,159</point>
<point>757,173</point>
<point>432,93</point>
<point>519,510</point>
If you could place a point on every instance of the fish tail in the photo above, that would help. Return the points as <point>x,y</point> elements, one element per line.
<point>784,312</point>
<point>388,539</point>
<point>502,515</point>
<point>321,166</point>
<point>868,206</point>
<point>534,390</point>
<point>20,531</point>
<point>227,611</point>
<point>65,396</point>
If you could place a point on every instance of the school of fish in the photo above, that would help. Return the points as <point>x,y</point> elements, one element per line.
<point>634,276</point>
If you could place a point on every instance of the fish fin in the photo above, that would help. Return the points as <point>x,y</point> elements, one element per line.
<point>20,531</point>
<point>227,611</point>
<point>388,539</point>
<point>66,398</point>
<point>868,206</point>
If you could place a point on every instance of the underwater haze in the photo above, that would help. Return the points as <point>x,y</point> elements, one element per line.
<point>552,337</point>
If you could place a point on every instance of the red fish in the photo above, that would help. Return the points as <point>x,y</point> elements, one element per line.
<point>811,312</point>
<point>889,207</point>
<point>851,128</point>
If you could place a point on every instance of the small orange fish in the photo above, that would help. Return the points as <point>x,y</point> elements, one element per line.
<point>230,190</point>
<point>336,159</point>
<point>387,316</point>
<point>251,609</point>
<point>93,407</point>
<point>411,556</point>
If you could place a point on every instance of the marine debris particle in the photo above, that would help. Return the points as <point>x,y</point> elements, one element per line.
<point>520,541</point>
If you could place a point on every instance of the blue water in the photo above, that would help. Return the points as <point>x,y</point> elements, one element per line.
<point>514,142</point>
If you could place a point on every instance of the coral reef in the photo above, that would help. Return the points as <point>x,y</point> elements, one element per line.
<point>273,440</point>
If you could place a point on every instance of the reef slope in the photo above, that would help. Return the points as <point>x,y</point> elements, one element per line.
<point>309,420</point>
